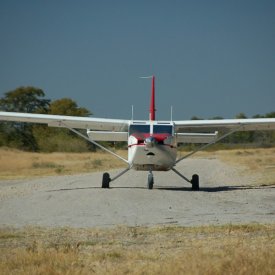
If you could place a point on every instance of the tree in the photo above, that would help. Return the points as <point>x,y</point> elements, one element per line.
<point>68,107</point>
<point>266,138</point>
<point>240,137</point>
<point>270,115</point>
<point>39,137</point>
<point>196,118</point>
<point>56,139</point>
<point>241,116</point>
<point>23,99</point>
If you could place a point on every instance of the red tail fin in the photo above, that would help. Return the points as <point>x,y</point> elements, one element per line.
<point>152,115</point>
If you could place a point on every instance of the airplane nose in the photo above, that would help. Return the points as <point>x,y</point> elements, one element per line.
<point>150,141</point>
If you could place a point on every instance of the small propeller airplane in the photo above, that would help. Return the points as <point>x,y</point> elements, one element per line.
<point>152,144</point>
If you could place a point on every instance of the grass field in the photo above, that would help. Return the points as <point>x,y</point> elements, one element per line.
<point>16,164</point>
<point>230,249</point>
<point>258,162</point>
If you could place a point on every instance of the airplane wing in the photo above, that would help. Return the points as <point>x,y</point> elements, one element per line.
<point>119,125</point>
<point>206,131</point>
<point>224,125</point>
<point>99,124</point>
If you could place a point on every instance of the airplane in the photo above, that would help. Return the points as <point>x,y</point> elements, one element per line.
<point>152,144</point>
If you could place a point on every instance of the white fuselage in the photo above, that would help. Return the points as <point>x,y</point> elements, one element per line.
<point>152,146</point>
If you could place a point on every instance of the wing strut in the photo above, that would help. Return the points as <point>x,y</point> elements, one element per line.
<point>121,173</point>
<point>181,175</point>
<point>95,143</point>
<point>106,177</point>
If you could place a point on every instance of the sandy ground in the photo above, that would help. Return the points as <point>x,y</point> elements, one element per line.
<point>226,196</point>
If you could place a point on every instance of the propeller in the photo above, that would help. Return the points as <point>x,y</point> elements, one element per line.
<point>150,142</point>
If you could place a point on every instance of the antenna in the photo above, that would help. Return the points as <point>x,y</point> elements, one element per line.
<point>132,112</point>
<point>171,113</point>
<point>150,76</point>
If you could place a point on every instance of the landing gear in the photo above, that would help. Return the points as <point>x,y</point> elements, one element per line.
<point>195,182</point>
<point>150,182</point>
<point>106,180</point>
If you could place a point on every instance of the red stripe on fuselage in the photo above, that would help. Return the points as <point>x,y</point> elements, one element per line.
<point>143,144</point>
<point>158,137</point>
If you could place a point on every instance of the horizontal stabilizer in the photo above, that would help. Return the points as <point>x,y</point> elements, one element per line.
<point>196,137</point>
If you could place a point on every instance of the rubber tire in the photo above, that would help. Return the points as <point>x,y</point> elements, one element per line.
<point>150,182</point>
<point>106,180</point>
<point>195,182</point>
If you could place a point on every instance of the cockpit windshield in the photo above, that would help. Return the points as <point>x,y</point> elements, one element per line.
<point>134,129</point>
<point>163,129</point>
<point>145,129</point>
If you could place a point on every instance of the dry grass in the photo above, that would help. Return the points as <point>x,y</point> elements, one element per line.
<point>15,164</point>
<point>257,162</point>
<point>230,249</point>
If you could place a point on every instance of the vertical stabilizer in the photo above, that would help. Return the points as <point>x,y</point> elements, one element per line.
<point>152,115</point>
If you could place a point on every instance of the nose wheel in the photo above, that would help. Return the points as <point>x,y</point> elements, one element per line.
<point>150,182</point>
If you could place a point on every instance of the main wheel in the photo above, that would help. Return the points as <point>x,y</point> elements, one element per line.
<point>195,182</point>
<point>150,182</point>
<point>106,180</point>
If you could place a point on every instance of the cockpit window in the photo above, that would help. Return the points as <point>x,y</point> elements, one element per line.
<point>134,129</point>
<point>163,129</point>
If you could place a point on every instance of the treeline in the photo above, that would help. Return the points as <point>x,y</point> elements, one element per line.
<point>258,138</point>
<point>36,137</point>
<point>41,138</point>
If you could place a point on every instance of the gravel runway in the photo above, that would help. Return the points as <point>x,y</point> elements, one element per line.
<point>226,196</point>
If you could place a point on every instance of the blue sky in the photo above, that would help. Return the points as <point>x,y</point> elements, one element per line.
<point>210,58</point>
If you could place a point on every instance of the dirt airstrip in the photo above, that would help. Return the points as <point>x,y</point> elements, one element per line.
<point>227,195</point>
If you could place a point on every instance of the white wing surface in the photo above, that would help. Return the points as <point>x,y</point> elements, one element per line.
<point>206,126</point>
<point>120,125</point>
<point>100,124</point>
